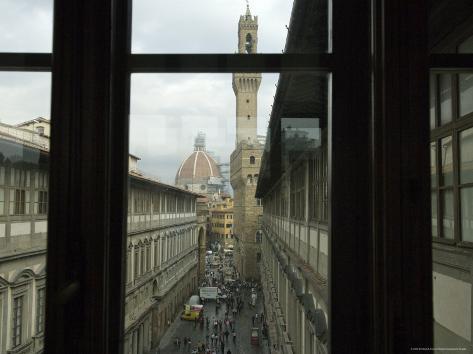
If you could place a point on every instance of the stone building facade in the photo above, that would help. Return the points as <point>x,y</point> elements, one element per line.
<point>293,183</point>
<point>221,221</point>
<point>23,234</point>
<point>165,239</point>
<point>245,160</point>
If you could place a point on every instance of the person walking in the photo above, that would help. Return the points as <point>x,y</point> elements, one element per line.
<point>253,320</point>
<point>226,335</point>
<point>234,336</point>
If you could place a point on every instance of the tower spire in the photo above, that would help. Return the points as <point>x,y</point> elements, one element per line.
<point>248,13</point>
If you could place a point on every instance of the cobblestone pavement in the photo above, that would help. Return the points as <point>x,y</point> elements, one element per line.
<point>243,321</point>
<point>186,329</point>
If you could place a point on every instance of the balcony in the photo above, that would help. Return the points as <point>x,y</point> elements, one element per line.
<point>13,245</point>
<point>152,224</point>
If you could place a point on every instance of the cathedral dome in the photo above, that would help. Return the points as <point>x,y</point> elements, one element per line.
<point>198,165</point>
<point>199,169</point>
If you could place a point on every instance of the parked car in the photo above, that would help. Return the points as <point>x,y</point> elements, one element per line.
<point>254,336</point>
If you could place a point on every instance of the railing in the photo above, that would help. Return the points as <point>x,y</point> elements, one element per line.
<point>149,224</point>
<point>24,135</point>
<point>22,244</point>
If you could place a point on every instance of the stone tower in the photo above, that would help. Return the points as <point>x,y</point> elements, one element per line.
<point>245,160</point>
<point>245,85</point>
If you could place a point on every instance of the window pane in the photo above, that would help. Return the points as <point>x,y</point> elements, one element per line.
<point>466,156</point>
<point>433,100</point>
<point>190,139</point>
<point>445,82</point>
<point>24,155</point>
<point>434,215</point>
<point>26,25</point>
<point>209,26</point>
<point>467,214</point>
<point>446,200</point>
<point>446,160</point>
<point>466,46</point>
<point>465,82</point>
<point>433,164</point>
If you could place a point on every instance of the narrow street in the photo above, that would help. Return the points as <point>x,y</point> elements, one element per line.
<point>200,334</point>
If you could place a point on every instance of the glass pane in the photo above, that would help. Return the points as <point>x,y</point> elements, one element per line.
<point>466,156</point>
<point>26,26</point>
<point>448,221</point>
<point>433,164</point>
<point>466,46</point>
<point>202,204</point>
<point>445,82</point>
<point>209,26</point>
<point>446,160</point>
<point>467,214</point>
<point>24,167</point>
<point>433,100</point>
<point>434,215</point>
<point>465,82</point>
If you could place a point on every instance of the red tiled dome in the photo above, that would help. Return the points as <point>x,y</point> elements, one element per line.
<point>199,164</point>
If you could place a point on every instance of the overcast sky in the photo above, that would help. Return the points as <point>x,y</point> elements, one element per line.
<point>167,110</point>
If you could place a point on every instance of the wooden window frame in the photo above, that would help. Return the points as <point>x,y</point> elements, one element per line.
<point>453,64</point>
<point>89,161</point>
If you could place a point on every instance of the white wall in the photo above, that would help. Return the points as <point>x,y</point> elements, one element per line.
<point>452,304</point>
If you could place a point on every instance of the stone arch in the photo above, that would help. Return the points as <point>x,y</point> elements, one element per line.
<point>21,276</point>
<point>252,160</point>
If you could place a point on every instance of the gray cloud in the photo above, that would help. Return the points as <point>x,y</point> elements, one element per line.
<point>26,25</point>
<point>167,110</point>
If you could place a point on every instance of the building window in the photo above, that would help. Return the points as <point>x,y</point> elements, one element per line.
<point>42,202</point>
<point>148,257</point>
<point>156,253</point>
<point>451,154</point>
<point>252,160</point>
<point>40,130</point>
<point>40,307</point>
<point>298,193</point>
<point>128,265</point>
<point>19,202</point>
<point>318,186</point>
<point>136,264</point>
<point>249,179</point>
<point>142,260</point>
<point>17,321</point>
<point>2,201</point>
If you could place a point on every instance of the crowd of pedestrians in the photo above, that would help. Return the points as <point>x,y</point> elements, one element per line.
<point>219,334</point>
